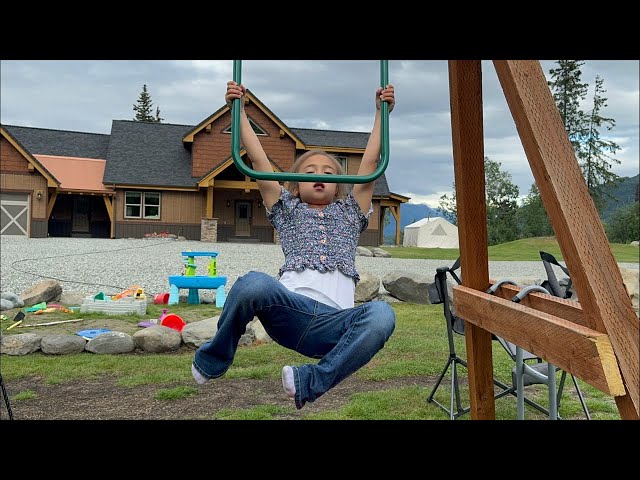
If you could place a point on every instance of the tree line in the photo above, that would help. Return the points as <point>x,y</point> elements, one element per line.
<point>508,221</point>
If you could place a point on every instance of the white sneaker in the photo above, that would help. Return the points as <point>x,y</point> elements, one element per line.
<point>288,383</point>
<point>198,377</point>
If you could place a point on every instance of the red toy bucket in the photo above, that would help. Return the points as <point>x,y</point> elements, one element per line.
<point>161,298</point>
<point>173,321</point>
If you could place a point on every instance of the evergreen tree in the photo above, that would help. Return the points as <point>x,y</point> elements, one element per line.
<point>624,226</point>
<point>533,220</point>
<point>597,162</point>
<point>568,91</point>
<point>144,108</point>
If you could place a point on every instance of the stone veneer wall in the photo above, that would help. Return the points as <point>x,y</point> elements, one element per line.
<point>209,230</point>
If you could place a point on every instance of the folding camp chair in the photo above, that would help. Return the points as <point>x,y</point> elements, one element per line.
<point>438,293</point>
<point>528,370</point>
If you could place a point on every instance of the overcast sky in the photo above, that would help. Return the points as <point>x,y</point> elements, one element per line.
<point>85,96</point>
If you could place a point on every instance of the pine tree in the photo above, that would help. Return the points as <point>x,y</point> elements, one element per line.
<point>568,91</point>
<point>144,108</point>
<point>596,164</point>
<point>533,220</point>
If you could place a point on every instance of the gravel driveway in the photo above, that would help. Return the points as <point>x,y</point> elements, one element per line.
<point>111,265</point>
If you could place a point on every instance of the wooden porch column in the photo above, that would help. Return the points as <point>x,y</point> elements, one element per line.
<point>465,84</point>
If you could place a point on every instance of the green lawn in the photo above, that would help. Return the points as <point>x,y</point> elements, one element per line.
<point>417,349</point>
<point>518,250</point>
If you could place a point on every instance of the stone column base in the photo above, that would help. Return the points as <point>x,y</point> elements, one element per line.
<point>209,230</point>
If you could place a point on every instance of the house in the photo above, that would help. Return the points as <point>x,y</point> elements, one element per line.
<point>155,177</point>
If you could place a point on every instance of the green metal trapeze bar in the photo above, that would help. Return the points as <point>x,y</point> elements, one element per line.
<point>307,177</point>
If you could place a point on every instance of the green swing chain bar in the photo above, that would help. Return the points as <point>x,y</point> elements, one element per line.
<point>306,177</point>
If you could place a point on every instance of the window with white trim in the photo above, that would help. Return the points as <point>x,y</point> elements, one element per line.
<point>256,128</point>
<point>343,161</point>
<point>142,205</point>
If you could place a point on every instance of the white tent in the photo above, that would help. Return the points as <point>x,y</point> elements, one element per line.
<point>433,232</point>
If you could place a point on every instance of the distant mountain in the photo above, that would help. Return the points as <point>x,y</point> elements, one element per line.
<point>409,213</point>
<point>624,194</point>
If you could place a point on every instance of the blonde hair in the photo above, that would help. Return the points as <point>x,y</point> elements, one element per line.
<point>342,189</point>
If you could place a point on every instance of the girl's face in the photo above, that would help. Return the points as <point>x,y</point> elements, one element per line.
<point>318,194</point>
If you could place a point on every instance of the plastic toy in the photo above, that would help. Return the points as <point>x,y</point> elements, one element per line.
<point>195,282</point>
<point>173,321</point>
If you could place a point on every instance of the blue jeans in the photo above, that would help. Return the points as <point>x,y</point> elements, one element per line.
<point>343,340</point>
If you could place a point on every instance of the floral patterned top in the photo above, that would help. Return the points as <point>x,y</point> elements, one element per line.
<point>321,239</point>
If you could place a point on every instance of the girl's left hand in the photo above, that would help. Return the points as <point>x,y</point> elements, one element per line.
<point>386,94</point>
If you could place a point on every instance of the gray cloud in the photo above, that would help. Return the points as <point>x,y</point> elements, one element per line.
<point>338,94</point>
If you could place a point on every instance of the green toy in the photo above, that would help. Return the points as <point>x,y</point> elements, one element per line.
<point>211,268</point>
<point>190,267</point>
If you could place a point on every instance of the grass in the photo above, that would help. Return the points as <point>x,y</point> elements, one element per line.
<point>527,249</point>
<point>418,349</point>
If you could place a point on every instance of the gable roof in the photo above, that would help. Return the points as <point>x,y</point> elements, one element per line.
<point>332,138</point>
<point>62,143</point>
<point>52,181</point>
<point>189,136</point>
<point>148,153</point>
<point>153,154</point>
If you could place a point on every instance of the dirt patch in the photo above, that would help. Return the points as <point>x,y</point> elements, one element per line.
<point>103,399</point>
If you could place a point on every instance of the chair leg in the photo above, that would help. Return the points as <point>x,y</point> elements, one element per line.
<point>582,402</point>
<point>444,371</point>
<point>455,389</point>
<point>519,383</point>
<point>551,385</point>
<point>6,398</point>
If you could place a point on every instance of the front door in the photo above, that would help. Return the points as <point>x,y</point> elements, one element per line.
<point>80,214</point>
<point>243,219</point>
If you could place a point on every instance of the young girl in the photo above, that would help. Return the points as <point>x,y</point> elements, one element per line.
<point>310,308</point>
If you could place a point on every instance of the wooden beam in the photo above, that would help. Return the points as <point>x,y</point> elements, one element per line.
<point>465,85</point>
<point>236,184</point>
<point>579,350</point>
<point>395,210</point>
<point>51,203</point>
<point>573,215</point>
<point>210,202</point>
<point>109,206</point>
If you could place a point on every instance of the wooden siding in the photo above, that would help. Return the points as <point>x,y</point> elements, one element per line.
<point>39,229</point>
<point>175,208</point>
<point>210,148</point>
<point>369,238</point>
<point>10,159</point>
<point>138,230</point>
<point>29,183</point>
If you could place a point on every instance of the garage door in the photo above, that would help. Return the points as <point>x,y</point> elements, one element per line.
<point>14,214</point>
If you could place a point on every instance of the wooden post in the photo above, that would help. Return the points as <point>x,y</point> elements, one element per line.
<point>581,237</point>
<point>465,84</point>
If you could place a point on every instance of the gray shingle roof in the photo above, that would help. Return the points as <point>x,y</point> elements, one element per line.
<point>142,153</point>
<point>332,138</point>
<point>42,141</point>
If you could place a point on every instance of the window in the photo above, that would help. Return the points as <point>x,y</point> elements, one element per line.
<point>343,161</point>
<point>254,125</point>
<point>142,205</point>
